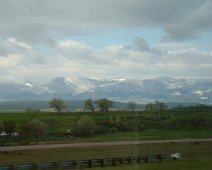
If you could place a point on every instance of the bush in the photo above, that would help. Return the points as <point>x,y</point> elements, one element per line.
<point>34,128</point>
<point>86,126</point>
<point>113,129</point>
<point>101,129</point>
<point>141,127</point>
<point>37,127</point>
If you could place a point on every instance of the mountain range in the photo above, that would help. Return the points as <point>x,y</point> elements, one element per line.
<point>122,90</point>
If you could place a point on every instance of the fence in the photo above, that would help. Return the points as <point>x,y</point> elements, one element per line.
<point>76,164</point>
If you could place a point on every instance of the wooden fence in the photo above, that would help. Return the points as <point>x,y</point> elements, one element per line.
<point>77,164</point>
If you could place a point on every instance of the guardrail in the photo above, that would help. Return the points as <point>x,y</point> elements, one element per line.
<point>76,164</point>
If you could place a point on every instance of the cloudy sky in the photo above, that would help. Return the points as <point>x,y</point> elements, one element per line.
<point>43,39</point>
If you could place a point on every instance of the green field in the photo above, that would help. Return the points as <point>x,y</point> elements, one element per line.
<point>178,123</point>
<point>174,124</point>
<point>196,156</point>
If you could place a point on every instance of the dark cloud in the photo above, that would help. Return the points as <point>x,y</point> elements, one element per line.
<point>192,24</point>
<point>141,44</point>
<point>34,20</point>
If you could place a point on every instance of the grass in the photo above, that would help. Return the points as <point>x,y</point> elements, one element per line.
<point>58,123</point>
<point>195,156</point>
<point>149,135</point>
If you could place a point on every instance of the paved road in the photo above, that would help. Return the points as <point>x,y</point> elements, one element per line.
<point>98,144</point>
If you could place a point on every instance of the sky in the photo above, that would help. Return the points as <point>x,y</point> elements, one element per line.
<point>110,39</point>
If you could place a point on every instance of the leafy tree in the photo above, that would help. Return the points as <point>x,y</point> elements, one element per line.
<point>86,125</point>
<point>9,128</point>
<point>156,106</point>
<point>149,107</point>
<point>104,104</point>
<point>131,105</point>
<point>88,104</point>
<point>58,104</point>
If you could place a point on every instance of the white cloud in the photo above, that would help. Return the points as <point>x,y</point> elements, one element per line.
<point>30,48</point>
<point>116,61</point>
<point>20,44</point>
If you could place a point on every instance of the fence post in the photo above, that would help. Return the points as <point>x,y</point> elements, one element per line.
<point>160,157</point>
<point>138,159</point>
<point>102,162</point>
<point>146,159</point>
<point>89,163</point>
<point>129,160</point>
<point>114,161</point>
<point>121,160</point>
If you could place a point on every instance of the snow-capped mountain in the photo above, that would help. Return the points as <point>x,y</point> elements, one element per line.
<point>142,91</point>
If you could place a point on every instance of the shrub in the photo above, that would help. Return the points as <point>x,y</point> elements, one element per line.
<point>141,127</point>
<point>86,126</point>
<point>113,129</point>
<point>101,129</point>
<point>23,130</point>
<point>37,127</point>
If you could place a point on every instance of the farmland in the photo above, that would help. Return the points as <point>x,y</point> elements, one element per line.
<point>194,122</point>
<point>179,123</point>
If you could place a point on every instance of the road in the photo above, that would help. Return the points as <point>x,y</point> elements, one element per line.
<point>99,144</point>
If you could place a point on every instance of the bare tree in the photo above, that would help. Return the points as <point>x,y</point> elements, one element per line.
<point>131,105</point>
<point>88,104</point>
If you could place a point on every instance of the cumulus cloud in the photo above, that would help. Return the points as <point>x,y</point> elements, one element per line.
<point>70,57</point>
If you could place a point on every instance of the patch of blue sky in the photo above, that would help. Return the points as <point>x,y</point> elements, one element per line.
<point>105,38</point>
<point>205,41</point>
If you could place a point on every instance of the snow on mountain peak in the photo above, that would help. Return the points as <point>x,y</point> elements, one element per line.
<point>28,85</point>
<point>199,92</point>
<point>80,85</point>
<point>119,80</point>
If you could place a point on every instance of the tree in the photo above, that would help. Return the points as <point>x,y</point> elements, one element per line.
<point>24,130</point>
<point>156,106</point>
<point>34,128</point>
<point>9,128</point>
<point>86,126</point>
<point>1,126</point>
<point>149,107</point>
<point>88,104</point>
<point>131,105</point>
<point>37,127</point>
<point>104,104</point>
<point>159,108</point>
<point>58,104</point>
